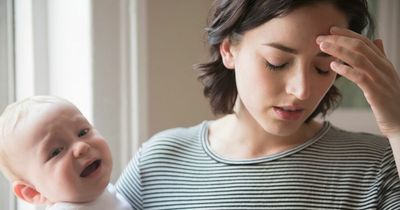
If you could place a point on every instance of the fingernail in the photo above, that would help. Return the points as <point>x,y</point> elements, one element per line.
<point>324,45</point>
<point>334,28</point>
<point>320,39</point>
<point>335,65</point>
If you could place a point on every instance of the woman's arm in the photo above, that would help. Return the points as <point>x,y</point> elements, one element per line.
<point>364,62</point>
<point>129,183</point>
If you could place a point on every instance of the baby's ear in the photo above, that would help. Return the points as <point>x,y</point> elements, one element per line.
<point>28,193</point>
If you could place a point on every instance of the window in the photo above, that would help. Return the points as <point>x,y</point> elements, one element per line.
<point>73,50</point>
<point>6,82</point>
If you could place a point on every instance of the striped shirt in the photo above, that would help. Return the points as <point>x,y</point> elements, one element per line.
<point>337,169</point>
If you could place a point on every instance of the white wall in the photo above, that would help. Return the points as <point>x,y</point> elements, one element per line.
<point>176,41</point>
<point>388,25</point>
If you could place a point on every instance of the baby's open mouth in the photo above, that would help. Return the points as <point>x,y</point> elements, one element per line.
<point>91,168</point>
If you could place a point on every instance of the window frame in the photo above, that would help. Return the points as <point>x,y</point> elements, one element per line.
<point>7,85</point>
<point>126,99</point>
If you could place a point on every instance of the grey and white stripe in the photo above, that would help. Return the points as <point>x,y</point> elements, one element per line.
<point>335,170</point>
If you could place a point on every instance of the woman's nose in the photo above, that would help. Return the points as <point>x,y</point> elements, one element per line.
<point>80,149</point>
<point>299,85</point>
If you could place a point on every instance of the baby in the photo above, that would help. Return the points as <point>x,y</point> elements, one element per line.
<point>52,155</point>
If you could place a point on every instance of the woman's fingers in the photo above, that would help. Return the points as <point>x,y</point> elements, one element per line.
<point>348,49</point>
<point>364,81</point>
<point>357,57</point>
<point>364,62</point>
<point>345,71</point>
<point>357,51</point>
<point>349,33</point>
<point>379,44</point>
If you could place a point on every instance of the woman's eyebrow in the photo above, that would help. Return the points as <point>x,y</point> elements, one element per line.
<point>282,47</point>
<point>291,50</point>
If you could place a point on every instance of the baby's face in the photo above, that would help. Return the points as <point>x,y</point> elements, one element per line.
<point>61,154</point>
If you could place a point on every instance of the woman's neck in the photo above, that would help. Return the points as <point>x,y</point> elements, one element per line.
<point>235,138</point>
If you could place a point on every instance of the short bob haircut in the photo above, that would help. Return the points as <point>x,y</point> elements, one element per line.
<point>228,18</point>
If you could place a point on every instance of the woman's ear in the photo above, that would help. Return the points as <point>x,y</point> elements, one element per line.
<point>226,51</point>
<point>28,193</point>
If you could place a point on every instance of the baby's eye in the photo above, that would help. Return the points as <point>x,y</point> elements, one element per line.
<point>55,152</point>
<point>83,132</point>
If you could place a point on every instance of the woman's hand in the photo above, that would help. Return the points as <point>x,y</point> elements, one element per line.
<point>364,62</point>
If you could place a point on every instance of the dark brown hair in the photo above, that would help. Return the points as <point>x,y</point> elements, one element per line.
<point>230,17</point>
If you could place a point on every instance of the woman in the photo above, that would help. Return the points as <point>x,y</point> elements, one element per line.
<point>271,71</point>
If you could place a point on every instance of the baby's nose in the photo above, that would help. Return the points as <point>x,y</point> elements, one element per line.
<point>80,149</point>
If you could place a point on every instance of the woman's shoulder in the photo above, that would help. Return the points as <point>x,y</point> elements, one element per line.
<point>177,137</point>
<point>179,132</point>
<point>337,131</point>
<point>342,137</point>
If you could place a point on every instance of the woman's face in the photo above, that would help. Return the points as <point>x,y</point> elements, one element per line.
<point>281,74</point>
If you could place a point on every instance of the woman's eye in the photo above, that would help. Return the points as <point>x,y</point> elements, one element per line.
<point>273,67</point>
<point>83,132</point>
<point>321,71</point>
<point>55,152</point>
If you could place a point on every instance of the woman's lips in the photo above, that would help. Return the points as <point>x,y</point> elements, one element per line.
<point>288,112</point>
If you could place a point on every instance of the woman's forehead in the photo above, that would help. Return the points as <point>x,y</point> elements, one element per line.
<point>300,26</point>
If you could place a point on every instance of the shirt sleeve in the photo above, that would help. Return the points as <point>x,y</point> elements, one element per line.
<point>129,183</point>
<point>390,188</point>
